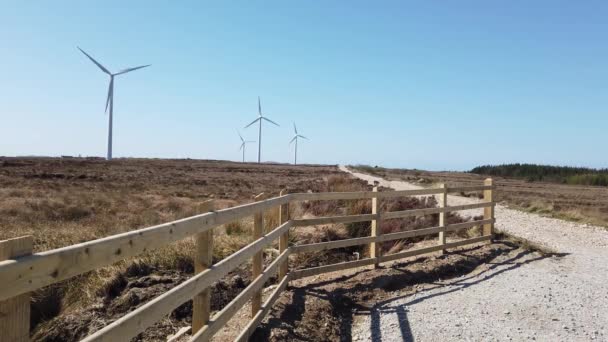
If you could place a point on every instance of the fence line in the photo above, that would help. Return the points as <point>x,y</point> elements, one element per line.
<point>22,272</point>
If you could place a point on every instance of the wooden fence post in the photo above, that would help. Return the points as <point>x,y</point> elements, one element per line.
<point>15,312</point>
<point>284,239</point>
<point>374,248</point>
<point>443,222</point>
<point>257,262</point>
<point>488,212</point>
<point>203,259</point>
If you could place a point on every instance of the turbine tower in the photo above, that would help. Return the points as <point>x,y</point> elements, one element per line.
<point>243,144</point>
<point>110,99</point>
<point>259,119</point>
<point>295,138</point>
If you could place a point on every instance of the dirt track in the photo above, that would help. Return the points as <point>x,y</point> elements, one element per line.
<point>525,297</point>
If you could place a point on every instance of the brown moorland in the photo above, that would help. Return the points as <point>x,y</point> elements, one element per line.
<point>63,201</point>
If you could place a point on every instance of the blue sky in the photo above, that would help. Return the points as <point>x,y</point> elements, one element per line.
<point>429,84</point>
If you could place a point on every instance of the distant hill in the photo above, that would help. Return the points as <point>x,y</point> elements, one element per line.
<point>547,173</point>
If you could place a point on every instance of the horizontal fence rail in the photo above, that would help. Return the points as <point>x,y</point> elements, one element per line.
<point>22,272</point>
<point>46,268</point>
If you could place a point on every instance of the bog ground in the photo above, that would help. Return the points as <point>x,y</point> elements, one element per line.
<point>544,279</point>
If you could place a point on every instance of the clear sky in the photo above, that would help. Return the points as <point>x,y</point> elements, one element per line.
<point>428,84</point>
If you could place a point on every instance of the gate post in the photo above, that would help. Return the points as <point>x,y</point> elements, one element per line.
<point>374,248</point>
<point>284,239</point>
<point>203,259</point>
<point>443,222</point>
<point>15,312</point>
<point>488,212</point>
<point>257,262</point>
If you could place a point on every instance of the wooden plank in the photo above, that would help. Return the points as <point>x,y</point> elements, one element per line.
<point>284,239</point>
<point>334,219</point>
<point>428,211</point>
<point>179,334</point>
<point>257,319</point>
<point>406,193</point>
<point>41,269</point>
<point>411,212</point>
<point>309,272</point>
<point>410,233</point>
<point>470,206</point>
<point>420,251</point>
<point>459,226</point>
<point>443,203</point>
<point>221,318</point>
<point>15,311</point>
<point>331,196</point>
<point>375,249</point>
<point>488,212</point>
<point>139,319</point>
<point>321,246</point>
<point>257,259</point>
<point>203,259</point>
<point>470,188</point>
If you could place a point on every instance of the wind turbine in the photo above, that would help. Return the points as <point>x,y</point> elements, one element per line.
<point>295,138</point>
<point>259,119</point>
<point>243,144</point>
<point>110,99</point>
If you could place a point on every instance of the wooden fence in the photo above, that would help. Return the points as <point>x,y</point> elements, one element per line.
<point>22,272</point>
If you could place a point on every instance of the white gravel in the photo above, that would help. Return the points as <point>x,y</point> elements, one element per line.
<point>527,297</point>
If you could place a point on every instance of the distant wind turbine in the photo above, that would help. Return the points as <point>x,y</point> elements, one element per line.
<point>110,99</point>
<point>259,119</point>
<point>243,144</point>
<point>295,138</point>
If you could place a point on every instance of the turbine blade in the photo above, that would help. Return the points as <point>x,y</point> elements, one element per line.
<point>259,107</point>
<point>294,138</point>
<point>242,145</point>
<point>301,136</point>
<point>295,129</point>
<point>110,92</point>
<point>250,141</point>
<point>96,63</point>
<point>240,136</point>
<point>254,121</point>
<point>131,69</point>
<point>267,119</point>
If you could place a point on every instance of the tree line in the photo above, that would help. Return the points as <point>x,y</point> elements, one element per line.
<point>547,173</point>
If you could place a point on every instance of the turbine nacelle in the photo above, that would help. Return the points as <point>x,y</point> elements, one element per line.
<point>243,141</point>
<point>105,70</point>
<point>296,135</point>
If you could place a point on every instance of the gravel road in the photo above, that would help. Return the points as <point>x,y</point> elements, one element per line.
<point>525,297</point>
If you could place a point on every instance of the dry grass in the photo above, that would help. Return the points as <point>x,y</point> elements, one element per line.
<point>61,202</point>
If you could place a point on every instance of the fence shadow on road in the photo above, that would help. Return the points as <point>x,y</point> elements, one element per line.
<point>350,295</point>
<point>494,269</point>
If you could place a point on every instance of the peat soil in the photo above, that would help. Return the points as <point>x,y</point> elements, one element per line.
<point>324,308</point>
<point>131,291</point>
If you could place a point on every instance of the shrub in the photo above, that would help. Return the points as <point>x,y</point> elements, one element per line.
<point>234,228</point>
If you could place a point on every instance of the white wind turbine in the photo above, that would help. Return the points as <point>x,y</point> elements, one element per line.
<point>243,144</point>
<point>295,138</point>
<point>110,99</point>
<point>260,118</point>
